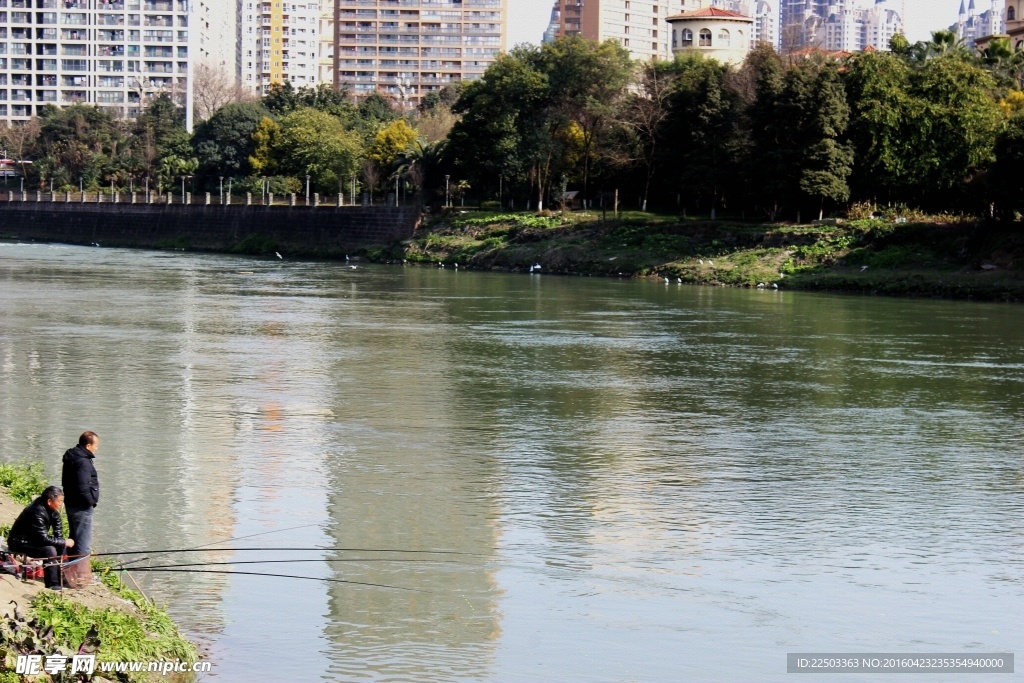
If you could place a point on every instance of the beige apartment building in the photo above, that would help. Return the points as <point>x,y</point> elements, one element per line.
<point>407,48</point>
<point>638,25</point>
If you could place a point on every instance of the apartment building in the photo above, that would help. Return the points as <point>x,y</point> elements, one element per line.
<point>973,25</point>
<point>407,48</point>
<point>850,28</point>
<point>115,54</point>
<point>640,26</point>
<point>279,42</point>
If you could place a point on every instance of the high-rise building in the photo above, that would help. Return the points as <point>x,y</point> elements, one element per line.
<point>766,23</point>
<point>115,54</point>
<point>638,25</point>
<point>849,28</point>
<point>407,48</point>
<point>279,43</point>
<point>801,23</point>
<point>972,25</point>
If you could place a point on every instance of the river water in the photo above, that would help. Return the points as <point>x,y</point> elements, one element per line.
<point>641,481</point>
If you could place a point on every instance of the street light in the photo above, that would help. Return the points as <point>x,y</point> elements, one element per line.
<point>307,189</point>
<point>222,189</point>
<point>81,185</point>
<point>447,200</point>
<point>264,189</point>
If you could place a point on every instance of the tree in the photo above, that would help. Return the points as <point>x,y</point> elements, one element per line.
<point>213,87</point>
<point>586,80</point>
<point>702,129</point>
<point>79,142</point>
<point>1007,180</point>
<point>314,143</point>
<point>391,142</point>
<point>798,130</point>
<point>827,157</point>
<point>377,110</point>
<point>265,139</point>
<point>224,142</point>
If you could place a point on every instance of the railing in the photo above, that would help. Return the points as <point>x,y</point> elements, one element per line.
<point>315,201</point>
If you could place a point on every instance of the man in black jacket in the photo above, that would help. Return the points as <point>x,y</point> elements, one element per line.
<point>31,534</point>
<point>82,488</point>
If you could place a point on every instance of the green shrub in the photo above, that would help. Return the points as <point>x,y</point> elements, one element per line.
<point>23,481</point>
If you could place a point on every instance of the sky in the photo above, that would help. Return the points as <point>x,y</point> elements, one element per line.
<point>529,18</point>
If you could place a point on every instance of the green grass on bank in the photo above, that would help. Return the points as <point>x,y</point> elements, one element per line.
<point>111,634</point>
<point>944,256</point>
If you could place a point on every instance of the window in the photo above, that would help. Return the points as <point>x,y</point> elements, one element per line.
<point>724,38</point>
<point>687,38</point>
<point>705,37</point>
<point>1011,14</point>
<point>675,38</point>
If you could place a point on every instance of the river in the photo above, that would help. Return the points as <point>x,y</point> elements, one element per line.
<point>636,481</point>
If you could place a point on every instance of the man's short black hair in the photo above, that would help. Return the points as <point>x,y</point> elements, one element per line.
<point>52,493</point>
<point>87,439</point>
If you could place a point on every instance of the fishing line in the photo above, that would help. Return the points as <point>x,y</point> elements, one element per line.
<point>283,576</point>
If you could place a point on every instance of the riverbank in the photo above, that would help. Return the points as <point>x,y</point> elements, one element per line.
<point>954,259</point>
<point>107,619</point>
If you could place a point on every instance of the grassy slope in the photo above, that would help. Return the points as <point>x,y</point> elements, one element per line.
<point>911,258</point>
<point>146,634</point>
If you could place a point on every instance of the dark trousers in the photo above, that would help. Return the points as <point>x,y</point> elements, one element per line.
<point>51,567</point>
<point>80,528</point>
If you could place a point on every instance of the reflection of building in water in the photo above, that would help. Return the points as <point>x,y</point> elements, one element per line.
<point>403,481</point>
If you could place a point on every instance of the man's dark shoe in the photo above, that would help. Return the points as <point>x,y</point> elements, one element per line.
<point>55,588</point>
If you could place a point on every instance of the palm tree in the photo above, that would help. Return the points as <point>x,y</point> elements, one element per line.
<point>1004,61</point>
<point>420,161</point>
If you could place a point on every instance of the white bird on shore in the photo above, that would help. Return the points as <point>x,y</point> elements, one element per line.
<point>456,266</point>
<point>710,262</point>
<point>701,261</point>
<point>537,266</point>
<point>863,268</point>
<point>667,281</point>
<point>775,285</point>
<point>679,280</point>
<point>278,254</point>
<point>353,267</point>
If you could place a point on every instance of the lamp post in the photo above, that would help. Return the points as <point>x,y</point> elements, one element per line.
<point>264,189</point>
<point>447,196</point>
<point>81,185</point>
<point>307,189</point>
<point>182,189</point>
<point>222,189</point>
<point>23,184</point>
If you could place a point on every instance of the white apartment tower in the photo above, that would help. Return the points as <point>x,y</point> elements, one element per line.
<point>850,28</point>
<point>115,54</point>
<point>279,43</point>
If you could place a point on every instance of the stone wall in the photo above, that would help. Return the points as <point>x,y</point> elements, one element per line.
<point>298,230</point>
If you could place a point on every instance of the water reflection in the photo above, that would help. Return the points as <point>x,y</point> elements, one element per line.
<point>642,482</point>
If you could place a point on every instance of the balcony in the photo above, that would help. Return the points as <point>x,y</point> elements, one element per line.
<point>110,20</point>
<point>163,21</point>
<point>159,67</point>
<point>110,50</point>
<point>46,81</point>
<point>46,50</point>
<point>46,95</point>
<point>72,96</point>
<point>110,65</point>
<point>75,20</point>
<point>74,65</point>
<point>158,6</point>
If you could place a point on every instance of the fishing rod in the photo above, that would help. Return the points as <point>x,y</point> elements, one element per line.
<point>212,564</point>
<point>283,576</point>
<point>236,538</point>
<point>233,550</point>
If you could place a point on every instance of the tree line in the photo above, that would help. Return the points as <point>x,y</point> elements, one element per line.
<point>931,125</point>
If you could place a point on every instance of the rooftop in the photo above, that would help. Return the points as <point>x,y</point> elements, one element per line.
<point>710,13</point>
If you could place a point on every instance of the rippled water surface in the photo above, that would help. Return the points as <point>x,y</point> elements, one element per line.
<point>644,482</point>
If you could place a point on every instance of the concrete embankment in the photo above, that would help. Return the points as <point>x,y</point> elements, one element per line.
<point>327,232</point>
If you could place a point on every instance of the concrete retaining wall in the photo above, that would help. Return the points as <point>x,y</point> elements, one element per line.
<point>321,231</point>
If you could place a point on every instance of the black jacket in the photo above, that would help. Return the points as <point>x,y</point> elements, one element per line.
<point>32,528</point>
<point>79,479</point>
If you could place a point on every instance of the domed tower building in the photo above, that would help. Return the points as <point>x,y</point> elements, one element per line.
<point>714,32</point>
<point>1014,17</point>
